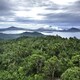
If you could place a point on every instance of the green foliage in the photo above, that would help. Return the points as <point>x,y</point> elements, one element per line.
<point>51,66</point>
<point>36,77</point>
<point>35,64</point>
<point>39,58</point>
<point>76,60</point>
<point>71,74</point>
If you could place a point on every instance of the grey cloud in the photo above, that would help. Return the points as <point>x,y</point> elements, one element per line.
<point>38,2</point>
<point>71,16</point>
<point>73,8</point>
<point>8,13</point>
<point>4,5</point>
<point>62,17</point>
<point>25,20</point>
<point>32,3</point>
<point>6,8</point>
<point>53,7</point>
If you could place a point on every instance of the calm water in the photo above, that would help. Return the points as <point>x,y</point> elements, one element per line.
<point>65,34</point>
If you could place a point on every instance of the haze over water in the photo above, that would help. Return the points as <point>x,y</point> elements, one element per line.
<point>62,34</point>
<point>65,34</point>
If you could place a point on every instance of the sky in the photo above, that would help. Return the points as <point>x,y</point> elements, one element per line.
<point>39,13</point>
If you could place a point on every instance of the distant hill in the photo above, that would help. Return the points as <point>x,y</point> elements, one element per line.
<point>12,28</point>
<point>45,30</point>
<point>13,36</point>
<point>8,36</point>
<point>36,32</point>
<point>31,34</point>
<point>73,29</point>
<point>55,30</point>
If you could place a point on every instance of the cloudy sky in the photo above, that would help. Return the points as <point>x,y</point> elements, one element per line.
<point>39,13</point>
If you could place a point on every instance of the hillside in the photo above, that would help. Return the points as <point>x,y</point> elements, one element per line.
<point>40,58</point>
<point>73,30</point>
<point>14,36</point>
<point>11,28</point>
<point>32,34</point>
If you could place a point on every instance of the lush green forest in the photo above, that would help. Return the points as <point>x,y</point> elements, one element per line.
<point>40,58</point>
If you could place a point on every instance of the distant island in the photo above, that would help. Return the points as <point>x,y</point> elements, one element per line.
<point>42,29</point>
<point>71,30</point>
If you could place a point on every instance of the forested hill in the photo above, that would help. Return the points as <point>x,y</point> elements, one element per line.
<point>40,58</point>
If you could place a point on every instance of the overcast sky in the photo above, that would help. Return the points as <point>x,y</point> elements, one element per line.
<point>39,13</point>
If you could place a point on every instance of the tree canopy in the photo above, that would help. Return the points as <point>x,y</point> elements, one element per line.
<point>40,58</point>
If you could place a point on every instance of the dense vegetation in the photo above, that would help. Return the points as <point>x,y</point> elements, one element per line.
<point>40,58</point>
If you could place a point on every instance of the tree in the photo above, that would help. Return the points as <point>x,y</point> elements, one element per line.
<point>71,74</point>
<point>76,60</point>
<point>36,77</point>
<point>5,75</point>
<point>35,63</point>
<point>51,66</point>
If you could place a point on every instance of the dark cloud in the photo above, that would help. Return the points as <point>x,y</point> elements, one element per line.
<point>62,17</point>
<point>4,5</point>
<point>5,10</point>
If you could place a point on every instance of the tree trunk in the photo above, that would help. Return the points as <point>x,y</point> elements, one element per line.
<point>53,75</point>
